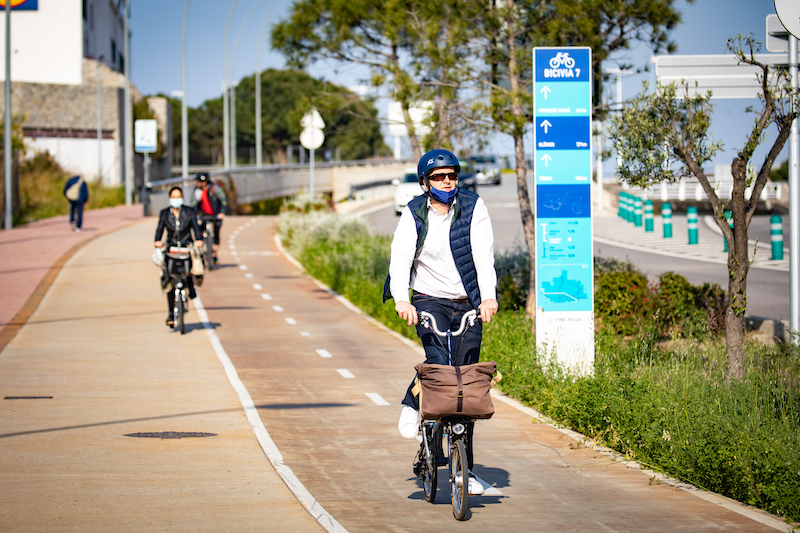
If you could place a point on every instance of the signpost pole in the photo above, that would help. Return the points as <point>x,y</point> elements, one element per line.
<point>311,167</point>
<point>794,203</point>
<point>128,109</point>
<point>8,218</point>
<point>184,110</point>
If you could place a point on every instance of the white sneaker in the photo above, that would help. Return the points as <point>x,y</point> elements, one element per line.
<point>409,422</point>
<point>475,488</point>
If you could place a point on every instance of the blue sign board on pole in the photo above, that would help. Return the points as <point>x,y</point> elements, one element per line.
<point>562,96</point>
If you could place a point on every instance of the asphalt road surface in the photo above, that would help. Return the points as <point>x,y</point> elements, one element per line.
<point>768,290</point>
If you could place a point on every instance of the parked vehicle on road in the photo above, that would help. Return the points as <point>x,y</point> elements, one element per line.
<point>467,178</point>
<point>487,171</point>
<point>406,190</point>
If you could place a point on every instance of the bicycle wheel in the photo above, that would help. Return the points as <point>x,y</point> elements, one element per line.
<point>208,243</point>
<point>181,306</point>
<point>459,479</point>
<point>430,477</point>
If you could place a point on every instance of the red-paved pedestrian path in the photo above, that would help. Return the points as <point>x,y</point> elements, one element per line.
<point>29,253</point>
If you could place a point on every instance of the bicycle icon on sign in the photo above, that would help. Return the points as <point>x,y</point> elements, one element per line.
<point>562,58</point>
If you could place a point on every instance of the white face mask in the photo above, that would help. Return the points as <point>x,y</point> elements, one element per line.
<point>176,202</point>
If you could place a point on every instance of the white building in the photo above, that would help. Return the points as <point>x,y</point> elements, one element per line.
<point>55,47</point>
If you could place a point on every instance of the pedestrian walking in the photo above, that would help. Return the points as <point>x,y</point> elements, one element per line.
<point>77,193</point>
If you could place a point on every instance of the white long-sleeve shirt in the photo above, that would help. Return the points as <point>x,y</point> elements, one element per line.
<point>433,271</point>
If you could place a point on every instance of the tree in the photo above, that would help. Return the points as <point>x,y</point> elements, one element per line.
<point>657,129</point>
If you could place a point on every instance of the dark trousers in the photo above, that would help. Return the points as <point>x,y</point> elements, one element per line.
<point>466,348</point>
<point>76,213</point>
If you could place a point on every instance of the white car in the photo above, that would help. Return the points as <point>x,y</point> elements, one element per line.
<point>406,190</point>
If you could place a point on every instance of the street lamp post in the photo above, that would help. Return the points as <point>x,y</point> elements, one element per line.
<point>225,119</point>
<point>128,108</point>
<point>233,123</point>
<point>794,204</point>
<point>258,83</point>
<point>234,84</point>
<point>8,218</point>
<point>99,124</point>
<point>184,110</point>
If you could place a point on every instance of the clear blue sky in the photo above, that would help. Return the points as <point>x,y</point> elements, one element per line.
<point>156,51</point>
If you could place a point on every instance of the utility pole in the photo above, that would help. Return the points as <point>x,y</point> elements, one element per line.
<point>8,219</point>
<point>128,108</point>
<point>184,111</point>
<point>99,125</point>
<point>258,83</point>
<point>225,109</point>
<point>233,123</point>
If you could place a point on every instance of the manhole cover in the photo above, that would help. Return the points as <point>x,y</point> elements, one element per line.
<point>171,435</point>
<point>28,398</point>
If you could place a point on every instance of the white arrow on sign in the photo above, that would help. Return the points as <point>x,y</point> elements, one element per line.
<point>546,124</point>
<point>545,91</point>
<point>546,158</point>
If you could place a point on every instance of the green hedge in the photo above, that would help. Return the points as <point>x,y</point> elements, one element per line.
<point>664,404</point>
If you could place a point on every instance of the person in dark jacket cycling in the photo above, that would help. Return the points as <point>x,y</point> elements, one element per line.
<point>209,199</point>
<point>180,223</point>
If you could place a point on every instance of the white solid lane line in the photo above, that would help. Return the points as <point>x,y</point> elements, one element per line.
<point>345,373</point>
<point>291,321</point>
<point>257,286</point>
<point>277,308</point>
<point>375,397</point>
<point>324,353</point>
<point>266,296</point>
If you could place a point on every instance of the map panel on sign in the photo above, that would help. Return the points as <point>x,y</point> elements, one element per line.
<point>563,166</point>
<point>558,98</point>
<point>563,133</point>
<point>564,264</point>
<point>563,201</point>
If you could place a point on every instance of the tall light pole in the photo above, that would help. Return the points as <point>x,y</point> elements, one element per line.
<point>226,152</point>
<point>184,111</point>
<point>128,108</point>
<point>258,83</point>
<point>234,84</point>
<point>8,219</point>
<point>99,124</point>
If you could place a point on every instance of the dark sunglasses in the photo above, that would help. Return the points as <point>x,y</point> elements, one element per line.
<point>452,176</point>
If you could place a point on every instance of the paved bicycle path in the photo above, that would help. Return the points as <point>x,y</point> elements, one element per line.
<point>328,384</point>
<point>98,346</point>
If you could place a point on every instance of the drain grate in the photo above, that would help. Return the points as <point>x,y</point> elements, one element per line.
<point>28,398</point>
<point>171,435</point>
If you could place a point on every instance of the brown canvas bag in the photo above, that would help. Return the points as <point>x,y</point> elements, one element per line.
<point>456,390</point>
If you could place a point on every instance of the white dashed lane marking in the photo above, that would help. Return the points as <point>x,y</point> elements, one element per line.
<point>243,267</point>
<point>266,296</point>
<point>345,373</point>
<point>375,397</point>
<point>305,334</point>
<point>291,321</point>
<point>277,308</point>
<point>257,286</point>
<point>248,275</point>
<point>324,353</point>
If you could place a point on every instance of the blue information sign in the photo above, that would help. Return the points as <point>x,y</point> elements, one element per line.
<point>563,167</point>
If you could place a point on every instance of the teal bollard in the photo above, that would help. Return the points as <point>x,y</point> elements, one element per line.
<point>691,223</point>
<point>628,207</point>
<point>776,232</point>
<point>648,215</point>
<point>666,217</point>
<point>729,218</point>
<point>621,204</point>
<point>637,211</point>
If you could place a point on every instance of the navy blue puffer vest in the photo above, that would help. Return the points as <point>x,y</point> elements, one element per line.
<point>460,240</point>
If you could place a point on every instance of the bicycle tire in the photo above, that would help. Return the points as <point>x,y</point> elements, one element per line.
<point>181,305</point>
<point>430,475</point>
<point>208,242</point>
<point>459,492</point>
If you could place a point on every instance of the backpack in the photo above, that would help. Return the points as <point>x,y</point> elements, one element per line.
<point>74,192</point>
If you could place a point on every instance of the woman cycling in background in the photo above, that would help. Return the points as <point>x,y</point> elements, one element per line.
<point>180,223</point>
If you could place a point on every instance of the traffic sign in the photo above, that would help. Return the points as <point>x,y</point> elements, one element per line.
<point>145,136</point>
<point>563,166</point>
<point>312,138</point>
<point>312,119</point>
<point>777,35</point>
<point>789,13</point>
<point>721,74</point>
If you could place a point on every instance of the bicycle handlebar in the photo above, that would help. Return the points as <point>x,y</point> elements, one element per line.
<point>429,321</point>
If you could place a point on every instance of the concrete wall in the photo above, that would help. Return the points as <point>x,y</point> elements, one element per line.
<point>47,44</point>
<point>79,156</point>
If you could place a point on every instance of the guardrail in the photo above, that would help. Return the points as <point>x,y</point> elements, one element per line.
<point>340,179</point>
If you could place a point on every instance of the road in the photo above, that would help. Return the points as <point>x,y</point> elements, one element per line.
<point>768,290</point>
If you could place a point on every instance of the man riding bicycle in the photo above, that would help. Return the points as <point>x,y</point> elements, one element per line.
<point>443,250</point>
<point>210,199</point>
